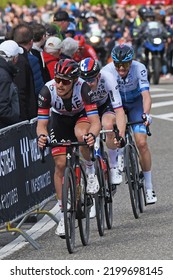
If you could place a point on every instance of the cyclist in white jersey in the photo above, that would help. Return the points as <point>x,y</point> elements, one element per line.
<point>66,101</point>
<point>133,84</point>
<point>109,104</point>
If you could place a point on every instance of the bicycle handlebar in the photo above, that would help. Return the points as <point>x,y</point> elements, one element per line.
<point>67,143</point>
<point>140,122</point>
<point>116,130</point>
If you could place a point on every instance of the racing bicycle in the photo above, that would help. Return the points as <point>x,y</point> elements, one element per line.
<point>133,173</point>
<point>76,203</point>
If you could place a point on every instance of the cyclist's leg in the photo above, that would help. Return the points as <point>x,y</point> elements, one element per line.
<point>140,134</point>
<point>81,128</point>
<point>108,119</point>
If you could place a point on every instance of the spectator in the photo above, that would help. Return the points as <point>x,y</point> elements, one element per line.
<point>71,30</point>
<point>61,20</point>
<point>23,35</point>
<point>9,101</point>
<point>51,53</point>
<point>39,38</point>
<point>36,72</point>
<point>69,47</point>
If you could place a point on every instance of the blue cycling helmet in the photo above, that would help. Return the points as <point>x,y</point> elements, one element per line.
<point>122,53</point>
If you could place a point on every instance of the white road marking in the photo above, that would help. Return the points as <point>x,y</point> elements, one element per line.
<point>161,95</point>
<point>155,89</point>
<point>161,104</point>
<point>168,117</point>
<point>42,226</point>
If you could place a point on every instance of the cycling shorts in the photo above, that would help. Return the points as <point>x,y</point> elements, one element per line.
<point>134,111</point>
<point>105,108</point>
<point>62,127</point>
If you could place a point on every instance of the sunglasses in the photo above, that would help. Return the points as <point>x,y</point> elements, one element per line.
<point>63,81</point>
<point>124,64</point>
<point>90,80</point>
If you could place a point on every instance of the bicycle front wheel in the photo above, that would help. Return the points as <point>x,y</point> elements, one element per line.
<point>108,194</point>
<point>69,208</point>
<point>99,198</point>
<point>131,177</point>
<point>83,208</point>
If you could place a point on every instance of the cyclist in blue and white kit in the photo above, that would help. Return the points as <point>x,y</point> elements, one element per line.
<point>133,84</point>
<point>107,97</point>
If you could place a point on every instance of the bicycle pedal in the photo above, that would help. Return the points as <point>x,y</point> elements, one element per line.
<point>89,200</point>
<point>114,188</point>
<point>62,236</point>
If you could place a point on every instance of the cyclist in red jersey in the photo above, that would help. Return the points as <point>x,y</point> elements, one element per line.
<point>84,50</point>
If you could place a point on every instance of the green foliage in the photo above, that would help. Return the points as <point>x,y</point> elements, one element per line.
<point>108,2</point>
<point>39,3</point>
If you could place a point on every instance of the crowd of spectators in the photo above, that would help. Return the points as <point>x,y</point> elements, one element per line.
<point>49,33</point>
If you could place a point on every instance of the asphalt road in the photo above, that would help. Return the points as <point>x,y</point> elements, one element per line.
<point>146,238</point>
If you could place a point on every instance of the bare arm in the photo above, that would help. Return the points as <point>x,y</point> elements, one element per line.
<point>42,130</point>
<point>121,121</point>
<point>146,101</point>
<point>95,127</point>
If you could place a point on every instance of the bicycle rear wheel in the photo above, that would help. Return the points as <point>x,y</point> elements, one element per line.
<point>99,199</point>
<point>83,209</point>
<point>131,170</point>
<point>108,195</point>
<point>69,208</point>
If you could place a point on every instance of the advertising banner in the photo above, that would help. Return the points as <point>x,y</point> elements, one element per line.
<point>24,180</point>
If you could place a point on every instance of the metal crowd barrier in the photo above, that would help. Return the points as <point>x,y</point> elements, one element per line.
<point>26,184</point>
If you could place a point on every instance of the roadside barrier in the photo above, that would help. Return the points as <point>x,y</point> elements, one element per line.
<point>26,184</point>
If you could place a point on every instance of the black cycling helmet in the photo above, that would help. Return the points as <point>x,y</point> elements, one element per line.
<point>89,68</point>
<point>142,11</point>
<point>122,53</point>
<point>67,68</point>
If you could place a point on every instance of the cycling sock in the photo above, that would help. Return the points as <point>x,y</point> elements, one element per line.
<point>113,158</point>
<point>60,203</point>
<point>148,182</point>
<point>90,169</point>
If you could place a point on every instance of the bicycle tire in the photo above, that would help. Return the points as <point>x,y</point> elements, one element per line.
<point>142,199</point>
<point>99,199</point>
<point>108,195</point>
<point>69,208</point>
<point>131,178</point>
<point>83,209</point>
<point>140,181</point>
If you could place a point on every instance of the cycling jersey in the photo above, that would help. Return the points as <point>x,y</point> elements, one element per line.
<point>133,85</point>
<point>130,90</point>
<point>107,89</point>
<point>81,98</point>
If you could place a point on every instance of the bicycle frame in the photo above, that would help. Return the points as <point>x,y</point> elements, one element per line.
<point>104,196</point>
<point>74,198</point>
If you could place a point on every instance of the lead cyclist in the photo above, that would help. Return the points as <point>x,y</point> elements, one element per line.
<point>133,83</point>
